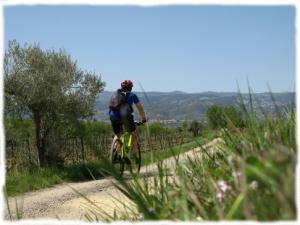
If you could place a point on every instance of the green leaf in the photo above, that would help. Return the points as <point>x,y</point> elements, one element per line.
<point>234,208</point>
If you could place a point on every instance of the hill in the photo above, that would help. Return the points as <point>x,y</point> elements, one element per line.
<point>187,106</point>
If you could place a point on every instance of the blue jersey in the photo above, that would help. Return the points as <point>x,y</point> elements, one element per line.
<point>130,99</point>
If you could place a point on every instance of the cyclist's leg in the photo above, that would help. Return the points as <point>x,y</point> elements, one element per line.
<point>129,126</point>
<point>116,124</point>
<point>135,140</point>
<point>132,129</point>
<point>116,137</point>
<point>115,153</point>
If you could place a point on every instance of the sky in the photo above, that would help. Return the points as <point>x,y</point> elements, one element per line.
<point>166,48</point>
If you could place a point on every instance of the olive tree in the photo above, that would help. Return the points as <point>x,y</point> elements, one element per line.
<point>47,86</point>
<point>196,127</point>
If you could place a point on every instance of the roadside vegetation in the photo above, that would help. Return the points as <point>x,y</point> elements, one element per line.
<point>159,155</point>
<point>51,138</point>
<point>81,149</point>
<point>34,179</point>
<point>250,177</point>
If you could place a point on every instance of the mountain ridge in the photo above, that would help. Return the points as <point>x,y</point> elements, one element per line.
<point>179,105</point>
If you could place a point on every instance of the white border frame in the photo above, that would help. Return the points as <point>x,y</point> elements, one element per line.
<point>145,3</point>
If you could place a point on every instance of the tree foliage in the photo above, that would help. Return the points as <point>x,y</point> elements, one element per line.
<point>224,116</point>
<point>48,87</point>
<point>196,127</point>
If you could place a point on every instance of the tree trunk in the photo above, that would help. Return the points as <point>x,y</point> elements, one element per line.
<point>29,148</point>
<point>82,149</point>
<point>40,142</point>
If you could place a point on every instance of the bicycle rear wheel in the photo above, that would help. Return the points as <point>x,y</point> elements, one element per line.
<point>116,157</point>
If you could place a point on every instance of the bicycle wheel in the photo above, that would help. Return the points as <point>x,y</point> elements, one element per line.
<point>135,161</point>
<point>116,157</point>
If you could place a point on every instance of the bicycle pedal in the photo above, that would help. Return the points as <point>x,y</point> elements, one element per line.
<point>117,158</point>
<point>127,160</point>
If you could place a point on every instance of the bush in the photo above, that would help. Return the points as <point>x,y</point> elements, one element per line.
<point>224,117</point>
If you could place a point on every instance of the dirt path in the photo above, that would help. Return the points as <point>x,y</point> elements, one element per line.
<point>61,202</point>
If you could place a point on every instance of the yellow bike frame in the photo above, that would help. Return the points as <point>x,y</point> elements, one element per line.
<point>126,146</point>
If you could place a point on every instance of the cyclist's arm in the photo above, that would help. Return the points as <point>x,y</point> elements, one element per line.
<point>140,108</point>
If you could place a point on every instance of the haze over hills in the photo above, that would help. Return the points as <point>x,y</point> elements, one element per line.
<point>179,105</point>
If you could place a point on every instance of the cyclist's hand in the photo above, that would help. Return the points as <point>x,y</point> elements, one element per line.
<point>141,122</point>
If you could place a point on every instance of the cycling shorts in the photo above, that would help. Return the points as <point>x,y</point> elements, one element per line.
<point>120,122</point>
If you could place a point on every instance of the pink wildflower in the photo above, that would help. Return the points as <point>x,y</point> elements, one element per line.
<point>223,186</point>
<point>254,185</point>
<point>219,197</point>
<point>236,174</point>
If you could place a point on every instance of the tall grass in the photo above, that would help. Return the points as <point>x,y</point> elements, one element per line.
<point>250,176</point>
<point>34,179</point>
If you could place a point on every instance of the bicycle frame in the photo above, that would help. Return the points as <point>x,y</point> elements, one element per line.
<point>124,156</point>
<point>126,145</point>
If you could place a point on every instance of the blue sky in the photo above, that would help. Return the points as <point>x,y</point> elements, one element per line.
<point>187,48</point>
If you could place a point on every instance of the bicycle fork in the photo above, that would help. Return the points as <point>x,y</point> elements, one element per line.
<point>126,145</point>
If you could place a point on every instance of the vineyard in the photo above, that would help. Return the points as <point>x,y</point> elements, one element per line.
<point>91,141</point>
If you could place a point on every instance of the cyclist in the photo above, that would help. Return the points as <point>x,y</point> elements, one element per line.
<point>121,112</point>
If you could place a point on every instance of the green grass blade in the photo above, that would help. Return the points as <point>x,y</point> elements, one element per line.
<point>235,207</point>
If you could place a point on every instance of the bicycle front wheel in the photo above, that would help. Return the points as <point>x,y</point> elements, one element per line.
<point>116,157</point>
<point>135,161</point>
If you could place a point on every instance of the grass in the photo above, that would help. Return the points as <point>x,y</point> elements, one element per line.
<point>27,181</point>
<point>22,182</point>
<point>158,155</point>
<point>252,177</point>
<point>36,179</point>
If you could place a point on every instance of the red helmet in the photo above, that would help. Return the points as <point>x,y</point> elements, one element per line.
<point>127,85</point>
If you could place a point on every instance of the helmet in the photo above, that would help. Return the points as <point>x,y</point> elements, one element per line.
<point>127,85</point>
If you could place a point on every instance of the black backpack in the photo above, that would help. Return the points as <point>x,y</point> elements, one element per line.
<point>118,103</point>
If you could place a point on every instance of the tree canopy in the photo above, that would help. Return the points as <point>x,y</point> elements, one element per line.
<point>47,86</point>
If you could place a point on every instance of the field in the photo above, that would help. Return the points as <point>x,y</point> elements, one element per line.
<point>53,141</point>
<point>250,177</point>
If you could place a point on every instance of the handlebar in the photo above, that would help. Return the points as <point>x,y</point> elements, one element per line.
<point>139,123</point>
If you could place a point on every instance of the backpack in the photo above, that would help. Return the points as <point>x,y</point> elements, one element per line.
<point>118,103</point>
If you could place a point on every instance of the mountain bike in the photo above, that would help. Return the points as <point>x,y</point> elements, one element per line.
<point>122,155</point>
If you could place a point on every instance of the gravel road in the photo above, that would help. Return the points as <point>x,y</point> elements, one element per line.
<point>62,202</point>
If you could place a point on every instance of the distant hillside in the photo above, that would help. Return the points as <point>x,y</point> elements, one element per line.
<point>184,106</point>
